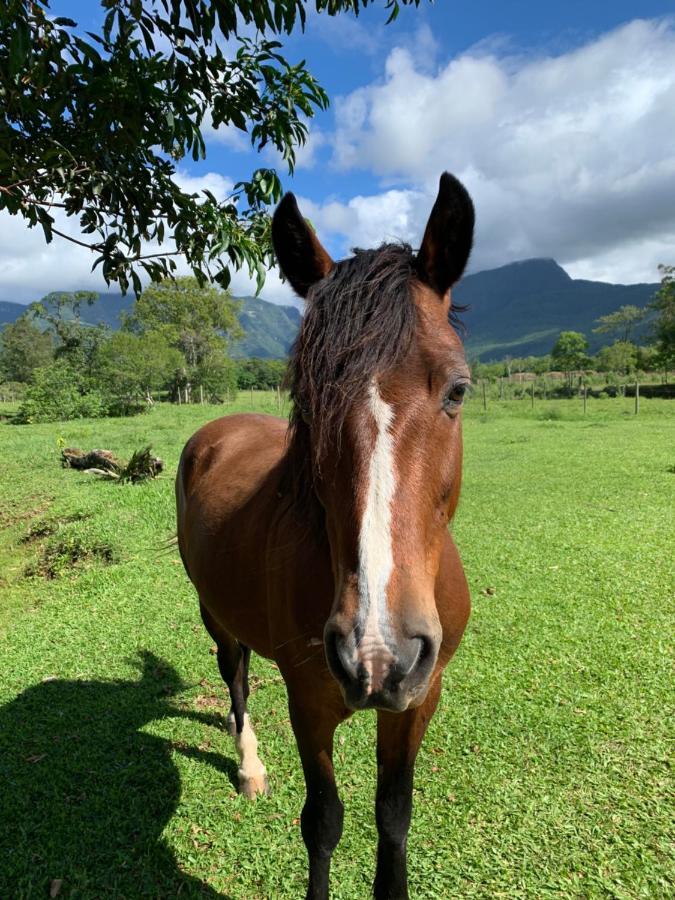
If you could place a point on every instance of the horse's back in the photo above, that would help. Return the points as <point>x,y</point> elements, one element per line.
<point>225,461</point>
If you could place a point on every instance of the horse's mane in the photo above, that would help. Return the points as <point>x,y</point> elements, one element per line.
<point>360,321</point>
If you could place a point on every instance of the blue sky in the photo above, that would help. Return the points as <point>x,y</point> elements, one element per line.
<point>558,117</point>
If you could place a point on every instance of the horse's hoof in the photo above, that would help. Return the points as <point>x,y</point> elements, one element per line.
<point>253,786</point>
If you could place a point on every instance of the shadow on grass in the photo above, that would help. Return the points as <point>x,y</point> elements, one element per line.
<point>85,794</point>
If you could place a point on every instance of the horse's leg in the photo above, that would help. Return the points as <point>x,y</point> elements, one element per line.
<point>399,736</point>
<point>233,659</point>
<point>314,725</point>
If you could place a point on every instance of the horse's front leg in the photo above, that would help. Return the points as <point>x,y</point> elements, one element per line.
<point>399,736</point>
<point>314,723</point>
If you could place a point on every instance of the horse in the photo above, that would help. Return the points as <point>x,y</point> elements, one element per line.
<point>321,542</point>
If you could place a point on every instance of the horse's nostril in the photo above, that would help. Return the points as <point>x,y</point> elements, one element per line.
<point>426,649</point>
<point>338,656</point>
<point>414,659</point>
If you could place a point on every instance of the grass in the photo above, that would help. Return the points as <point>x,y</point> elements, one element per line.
<point>544,773</point>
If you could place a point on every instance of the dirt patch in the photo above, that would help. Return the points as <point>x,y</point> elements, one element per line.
<point>63,556</point>
<point>47,527</point>
<point>13,512</point>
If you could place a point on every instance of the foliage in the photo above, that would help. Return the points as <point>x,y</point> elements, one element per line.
<point>93,124</point>
<point>132,367</point>
<point>61,314</point>
<point>59,392</point>
<point>620,357</point>
<point>664,327</point>
<point>198,321</point>
<point>216,376</point>
<point>260,374</point>
<point>23,348</point>
<point>142,466</point>
<point>569,351</point>
<point>538,778</point>
<point>621,322</point>
<point>194,319</point>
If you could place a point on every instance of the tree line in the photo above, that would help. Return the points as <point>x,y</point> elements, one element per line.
<point>175,345</point>
<point>622,359</point>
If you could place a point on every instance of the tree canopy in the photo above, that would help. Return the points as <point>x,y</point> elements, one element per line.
<point>569,351</point>
<point>621,322</point>
<point>23,348</point>
<point>664,326</point>
<point>93,124</point>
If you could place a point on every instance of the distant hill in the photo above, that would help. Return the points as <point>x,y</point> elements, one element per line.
<point>107,309</point>
<point>270,329</point>
<point>515,310</point>
<point>519,309</point>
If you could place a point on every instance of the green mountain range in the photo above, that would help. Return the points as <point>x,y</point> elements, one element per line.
<point>515,310</point>
<point>519,309</point>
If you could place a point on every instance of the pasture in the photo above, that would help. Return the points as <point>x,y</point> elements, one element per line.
<point>544,772</point>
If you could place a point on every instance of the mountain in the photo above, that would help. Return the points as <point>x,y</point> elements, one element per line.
<point>515,310</point>
<point>270,329</point>
<point>106,310</point>
<point>519,309</point>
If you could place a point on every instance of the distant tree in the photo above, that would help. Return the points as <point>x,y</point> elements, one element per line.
<point>78,342</point>
<point>620,357</point>
<point>664,326</point>
<point>569,353</point>
<point>647,359</point>
<point>194,319</point>
<point>260,374</point>
<point>132,367</point>
<point>216,376</point>
<point>23,348</point>
<point>93,124</point>
<point>58,393</point>
<point>622,322</point>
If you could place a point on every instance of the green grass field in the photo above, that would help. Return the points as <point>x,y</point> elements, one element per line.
<point>544,773</point>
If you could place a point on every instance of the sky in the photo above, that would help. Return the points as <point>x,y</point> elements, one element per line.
<point>559,119</point>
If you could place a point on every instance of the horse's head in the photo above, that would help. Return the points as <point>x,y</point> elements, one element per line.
<point>378,377</point>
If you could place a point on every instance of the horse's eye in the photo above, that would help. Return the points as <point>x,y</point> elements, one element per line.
<point>455,397</point>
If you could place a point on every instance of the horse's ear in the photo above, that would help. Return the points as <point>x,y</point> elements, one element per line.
<point>448,236</point>
<point>301,257</point>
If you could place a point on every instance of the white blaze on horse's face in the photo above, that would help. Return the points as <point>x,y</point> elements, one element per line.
<point>376,557</point>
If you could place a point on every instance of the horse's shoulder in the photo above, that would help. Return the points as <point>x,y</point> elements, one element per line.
<point>250,440</point>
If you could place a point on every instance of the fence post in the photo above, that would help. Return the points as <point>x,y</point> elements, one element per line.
<point>201,394</point>
<point>585,395</point>
<point>532,394</point>
<point>501,388</point>
<point>484,397</point>
<point>637,397</point>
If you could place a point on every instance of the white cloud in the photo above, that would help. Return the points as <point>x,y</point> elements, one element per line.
<point>219,185</point>
<point>275,290</point>
<point>568,156</point>
<point>29,268</point>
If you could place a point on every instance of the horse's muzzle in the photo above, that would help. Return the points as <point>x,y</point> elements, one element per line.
<point>391,675</point>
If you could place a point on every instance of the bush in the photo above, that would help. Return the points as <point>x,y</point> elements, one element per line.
<point>58,393</point>
<point>552,414</point>
<point>12,391</point>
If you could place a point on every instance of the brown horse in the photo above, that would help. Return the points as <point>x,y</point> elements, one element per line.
<point>324,544</point>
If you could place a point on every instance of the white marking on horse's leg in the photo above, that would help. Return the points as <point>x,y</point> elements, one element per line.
<point>252,773</point>
<point>376,560</point>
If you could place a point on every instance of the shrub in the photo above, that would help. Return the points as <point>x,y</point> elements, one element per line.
<point>58,393</point>
<point>552,414</point>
